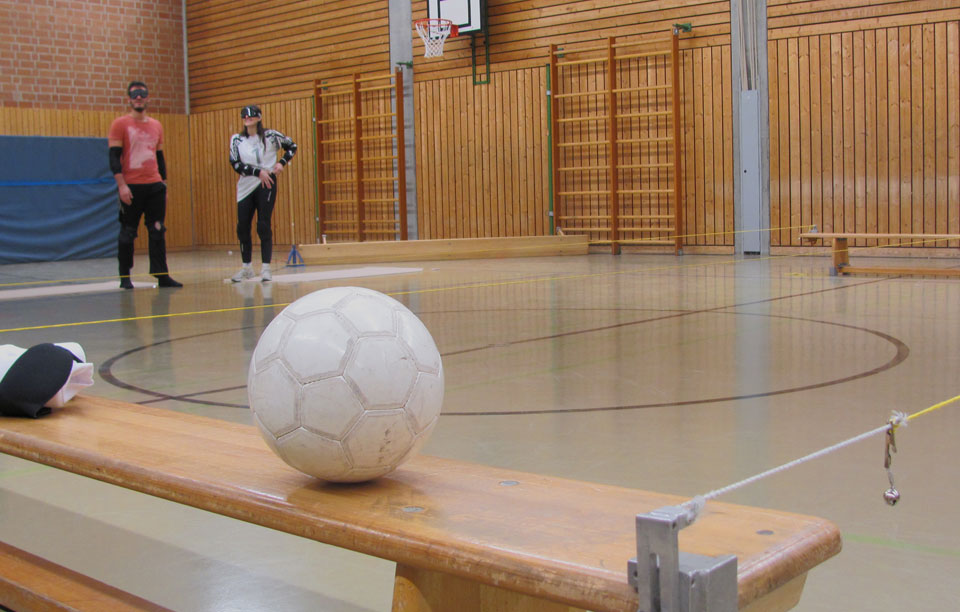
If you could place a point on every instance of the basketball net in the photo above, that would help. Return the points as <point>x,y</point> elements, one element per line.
<point>434,32</point>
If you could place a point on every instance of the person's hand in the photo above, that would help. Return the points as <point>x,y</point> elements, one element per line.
<point>126,196</point>
<point>278,167</point>
<point>265,179</point>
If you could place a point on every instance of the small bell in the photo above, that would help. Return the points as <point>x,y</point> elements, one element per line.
<point>891,496</point>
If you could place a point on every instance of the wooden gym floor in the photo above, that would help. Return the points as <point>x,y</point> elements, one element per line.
<point>679,375</point>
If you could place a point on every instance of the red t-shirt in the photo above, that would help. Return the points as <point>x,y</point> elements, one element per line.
<point>140,142</point>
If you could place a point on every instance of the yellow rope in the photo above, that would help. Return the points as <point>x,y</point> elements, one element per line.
<point>932,408</point>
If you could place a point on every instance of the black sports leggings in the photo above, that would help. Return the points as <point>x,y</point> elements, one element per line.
<point>150,202</point>
<point>260,202</point>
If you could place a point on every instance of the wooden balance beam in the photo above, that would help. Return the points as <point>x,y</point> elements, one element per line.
<point>31,584</point>
<point>841,252</point>
<point>434,250</point>
<point>465,537</point>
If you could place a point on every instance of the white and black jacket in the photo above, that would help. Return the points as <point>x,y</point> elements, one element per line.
<point>249,155</point>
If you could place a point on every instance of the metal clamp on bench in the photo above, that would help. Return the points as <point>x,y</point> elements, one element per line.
<point>668,580</point>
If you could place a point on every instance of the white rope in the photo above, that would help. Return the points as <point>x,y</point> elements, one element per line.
<point>695,505</point>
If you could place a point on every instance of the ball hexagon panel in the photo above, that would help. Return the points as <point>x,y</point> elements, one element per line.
<point>325,299</point>
<point>424,404</point>
<point>415,335</point>
<point>381,371</point>
<point>268,347</point>
<point>369,313</point>
<point>316,346</point>
<point>329,407</point>
<point>379,439</point>
<point>314,455</point>
<point>273,393</point>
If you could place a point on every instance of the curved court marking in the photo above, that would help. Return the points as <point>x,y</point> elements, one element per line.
<point>902,352</point>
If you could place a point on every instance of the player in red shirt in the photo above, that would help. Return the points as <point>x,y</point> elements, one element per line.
<point>136,160</point>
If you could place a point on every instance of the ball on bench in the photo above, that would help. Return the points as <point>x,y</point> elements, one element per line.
<point>345,384</point>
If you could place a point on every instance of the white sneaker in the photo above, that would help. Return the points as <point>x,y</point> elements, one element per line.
<point>245,273</point>
<point>265,273</point>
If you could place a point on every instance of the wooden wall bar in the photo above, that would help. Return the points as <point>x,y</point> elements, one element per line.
<point>96,124</point>
<point>215,183</point>
<point>865,131</point>
<point>273,51</point>
<point>482,151</point>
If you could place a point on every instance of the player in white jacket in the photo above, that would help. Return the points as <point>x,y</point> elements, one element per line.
<point>253,155</point>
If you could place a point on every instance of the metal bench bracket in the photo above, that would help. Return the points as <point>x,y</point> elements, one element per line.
<point>668,580</point>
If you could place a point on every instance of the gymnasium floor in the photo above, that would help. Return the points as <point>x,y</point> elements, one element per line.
<point>679,375</point>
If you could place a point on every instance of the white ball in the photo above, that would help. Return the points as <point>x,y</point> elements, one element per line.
<point>345,384</point>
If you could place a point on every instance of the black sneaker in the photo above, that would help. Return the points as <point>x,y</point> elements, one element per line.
<point>125,283</point>
<point>165,280</point>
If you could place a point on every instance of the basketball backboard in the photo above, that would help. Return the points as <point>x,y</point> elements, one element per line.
<point>468,15</point>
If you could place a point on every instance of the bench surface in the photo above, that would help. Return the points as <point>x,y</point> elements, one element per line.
<point>552,538</point>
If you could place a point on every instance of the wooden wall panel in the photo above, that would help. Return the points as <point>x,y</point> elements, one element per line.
<point>273,51</point>
<point>522,30</point>
<point>793,18</point>
<point>96,124</point>
<point>482,156</point>
<point>214,181</point>
<point>707,146</point>
<point>864,132</point>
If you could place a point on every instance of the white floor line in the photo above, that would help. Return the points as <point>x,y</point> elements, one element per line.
<point>32,292</point>
<point>302,277</point>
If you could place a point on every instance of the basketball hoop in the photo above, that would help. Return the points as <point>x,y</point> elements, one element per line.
<point>434,32</point>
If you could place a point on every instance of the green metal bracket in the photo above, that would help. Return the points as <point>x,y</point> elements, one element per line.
<point>407,64</point>
<point>686,28</point>
<point>473,56</point>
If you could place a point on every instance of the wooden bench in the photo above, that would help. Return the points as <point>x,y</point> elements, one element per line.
<point>465,537</point>
<point>841,252</point>
<point>31,584</point>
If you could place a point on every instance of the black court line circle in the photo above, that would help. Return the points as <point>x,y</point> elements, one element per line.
<point>902,351</point>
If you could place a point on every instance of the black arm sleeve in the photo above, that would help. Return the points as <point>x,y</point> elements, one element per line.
<point>161,165</point>
<point>289,150</point>
<point>115,166</point>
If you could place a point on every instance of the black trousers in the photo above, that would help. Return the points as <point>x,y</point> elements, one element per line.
<point>150,202</point>
<point>259,202</point>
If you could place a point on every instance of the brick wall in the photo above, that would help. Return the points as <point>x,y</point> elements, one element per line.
<point>80,54</point>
